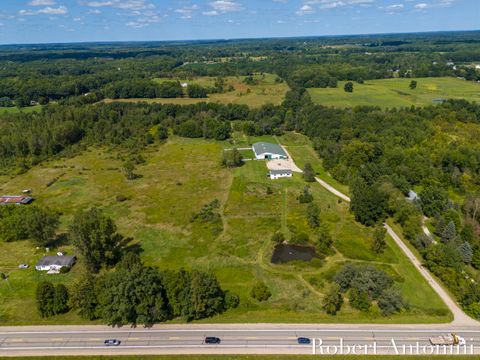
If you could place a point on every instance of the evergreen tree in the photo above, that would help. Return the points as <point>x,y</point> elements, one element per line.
<point>313,213</point>
<point>449,233</point>
<point>348,87</point>
<point>466,252</point>
<point>308,173</point>
<point>379,244</point>
<point>325,241</point>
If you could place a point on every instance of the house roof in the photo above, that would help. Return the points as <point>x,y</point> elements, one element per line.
<point>65,260</point>
<point>279,172</point>
<point>265,147</point>
<point>15,199</point>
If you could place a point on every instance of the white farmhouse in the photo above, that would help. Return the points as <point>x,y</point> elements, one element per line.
<point>268,151</point>
<point>277,174</point>
<point>55,263</point>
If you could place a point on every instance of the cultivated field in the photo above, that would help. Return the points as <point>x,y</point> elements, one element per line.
<point>178,178</point>
<point>396,92</point>
<point>264,92</point>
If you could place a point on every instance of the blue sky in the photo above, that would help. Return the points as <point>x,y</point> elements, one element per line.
<point>43,21</point>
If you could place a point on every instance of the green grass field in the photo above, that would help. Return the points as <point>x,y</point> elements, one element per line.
<point>178,178</point>
<point>267,91</point>
<point>14,109</point>
<point>396,92</point>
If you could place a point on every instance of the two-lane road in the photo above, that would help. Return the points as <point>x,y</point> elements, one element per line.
<point>240,339</point>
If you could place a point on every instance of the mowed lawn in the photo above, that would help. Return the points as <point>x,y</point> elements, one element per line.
<point>266,91</point>
<point>396,92</point>
<point>177,179</point>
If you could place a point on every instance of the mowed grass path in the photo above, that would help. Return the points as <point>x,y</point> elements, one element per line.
<point>396,92</point>
<point>178,178</point>
<point>266,91</point>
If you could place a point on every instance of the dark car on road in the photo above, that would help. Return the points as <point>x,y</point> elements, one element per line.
<point>303,340</point>
<point>112,342</point>
<point>212,340</point>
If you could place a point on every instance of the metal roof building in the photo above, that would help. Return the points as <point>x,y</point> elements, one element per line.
<point>48,263</point>
<point>15,200</point>
<point>268,151</point>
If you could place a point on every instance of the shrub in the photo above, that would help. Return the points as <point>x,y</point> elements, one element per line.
<point>260,292</point>
<point>231,300</point>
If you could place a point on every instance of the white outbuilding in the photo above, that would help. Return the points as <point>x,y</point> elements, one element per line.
<point>277,174</point>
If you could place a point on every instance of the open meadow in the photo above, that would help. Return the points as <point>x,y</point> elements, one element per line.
<point>265,91</point>
<point>177,179</point>
<point>388,93</point>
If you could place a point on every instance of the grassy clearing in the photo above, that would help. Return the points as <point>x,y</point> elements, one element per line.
<point>265,92</point>
<point>396,92</point>
<point>14,109</point>
<point>178,178</point>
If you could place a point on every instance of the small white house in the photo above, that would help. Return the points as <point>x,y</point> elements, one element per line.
<point>184,85</point>
<point>268,151</point>
<point>55,263</point>
<point>277,174</point>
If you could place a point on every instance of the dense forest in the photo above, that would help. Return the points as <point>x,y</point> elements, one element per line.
<point>382,155</point>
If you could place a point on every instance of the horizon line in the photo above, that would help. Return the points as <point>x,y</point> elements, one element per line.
<point>206,40</point>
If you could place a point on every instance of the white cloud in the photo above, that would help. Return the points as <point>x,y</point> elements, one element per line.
<point>41,2</point>
<point>61,10</point>
<point>122,4</point>
<point>421,6</point>
<point>394,8</point>
<point>187,11</point>
<point>305,9</point>
<point>211,13</point>
<point>94,11</point>
<point>310,6</point>
<point>224,6</point>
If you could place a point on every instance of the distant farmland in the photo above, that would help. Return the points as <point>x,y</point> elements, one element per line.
<point>396,92</point>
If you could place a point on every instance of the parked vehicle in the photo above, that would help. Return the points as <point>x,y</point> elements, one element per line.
<point>451,339</point>
<point>23,266</point>
<point>212,340</point>
<point>112,342</point>
<point>303,340</point>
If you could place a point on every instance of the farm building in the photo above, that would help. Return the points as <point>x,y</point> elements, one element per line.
<point>268,151</point>
<point>276,174</point>
<point>15,200</point>
<point>55,263</point>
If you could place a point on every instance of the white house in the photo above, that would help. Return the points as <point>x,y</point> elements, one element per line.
<point>268,151</point>
<point>55,263</point>
<point>277,174</point>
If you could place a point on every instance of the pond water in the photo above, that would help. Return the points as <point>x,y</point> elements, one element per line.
<point>284,253</point>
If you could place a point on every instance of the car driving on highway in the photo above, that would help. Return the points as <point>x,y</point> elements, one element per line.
<point>212,340</point>
<point>112,342</point>
<point>303,340</point>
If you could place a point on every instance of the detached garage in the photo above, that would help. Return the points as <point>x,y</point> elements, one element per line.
<point>268,151</point>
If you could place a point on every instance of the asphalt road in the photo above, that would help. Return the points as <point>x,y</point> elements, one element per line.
<point>239,339</point>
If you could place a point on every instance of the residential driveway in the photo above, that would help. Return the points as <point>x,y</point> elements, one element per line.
<point>459,317</point>
<point>284,164</point>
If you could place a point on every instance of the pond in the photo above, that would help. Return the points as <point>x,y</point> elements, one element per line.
<point>284,253</point>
